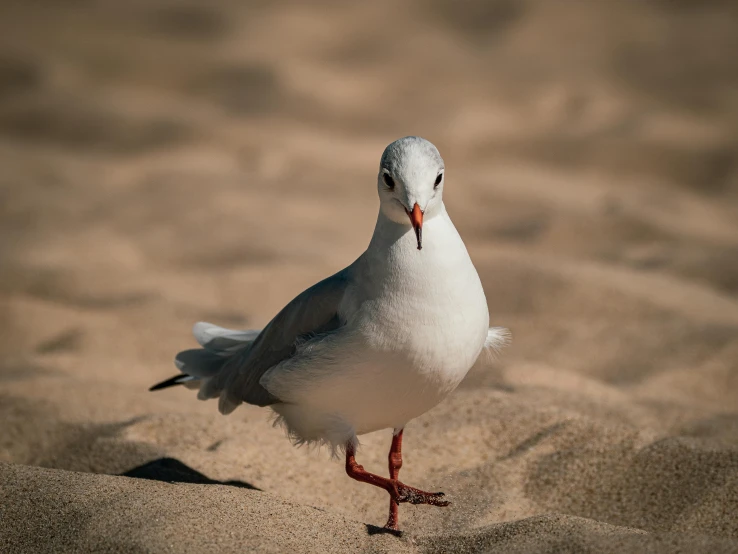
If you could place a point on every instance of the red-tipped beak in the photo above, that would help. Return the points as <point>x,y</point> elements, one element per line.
<point>416,218</point>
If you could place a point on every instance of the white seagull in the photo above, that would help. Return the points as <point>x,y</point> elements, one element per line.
<point>372,347</point>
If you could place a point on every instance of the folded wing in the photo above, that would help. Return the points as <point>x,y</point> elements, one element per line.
<point>314,312</point>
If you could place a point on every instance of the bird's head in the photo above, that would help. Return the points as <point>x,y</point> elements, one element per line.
<point>410,182</point>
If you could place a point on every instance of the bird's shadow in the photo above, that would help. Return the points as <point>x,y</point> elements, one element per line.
<point>171,470</point>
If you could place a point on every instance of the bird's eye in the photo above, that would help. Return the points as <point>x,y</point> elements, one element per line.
<point>438,180</point>
<point>389,181</point>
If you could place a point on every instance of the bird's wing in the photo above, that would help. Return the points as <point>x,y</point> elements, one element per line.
<point>222,341</point>
<point>313,312</point>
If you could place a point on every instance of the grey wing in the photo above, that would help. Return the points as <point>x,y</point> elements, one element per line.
<point>313,312</point>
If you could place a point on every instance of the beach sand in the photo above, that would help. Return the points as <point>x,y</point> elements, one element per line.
<point>165,163</point>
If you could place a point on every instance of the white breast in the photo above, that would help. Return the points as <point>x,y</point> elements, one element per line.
<point>416,321</point>
<point>425,320</point>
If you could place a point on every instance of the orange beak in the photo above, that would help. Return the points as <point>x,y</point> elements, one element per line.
<point>416,218</point>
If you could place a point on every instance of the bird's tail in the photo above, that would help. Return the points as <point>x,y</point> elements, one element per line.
<point>199,365</point>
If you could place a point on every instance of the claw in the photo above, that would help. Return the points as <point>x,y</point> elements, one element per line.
<point>416,496</point>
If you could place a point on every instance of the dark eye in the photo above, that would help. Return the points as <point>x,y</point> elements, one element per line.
<point>389,181</point>
<point>438,180</point>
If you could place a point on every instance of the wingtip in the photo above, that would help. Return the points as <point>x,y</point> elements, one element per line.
<point>171,382</point>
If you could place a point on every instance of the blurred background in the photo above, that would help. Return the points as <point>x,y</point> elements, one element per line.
<point>165,162</point>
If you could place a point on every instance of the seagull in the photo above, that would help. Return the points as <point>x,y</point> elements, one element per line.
<point>372,347</point>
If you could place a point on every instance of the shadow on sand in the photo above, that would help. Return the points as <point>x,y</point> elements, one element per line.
<point>171,470</point>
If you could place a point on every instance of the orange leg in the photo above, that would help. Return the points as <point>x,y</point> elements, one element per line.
<point>399,492</point>
<point>395,463</point>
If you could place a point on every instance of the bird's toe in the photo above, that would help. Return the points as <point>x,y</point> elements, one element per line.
<point>412,495</point>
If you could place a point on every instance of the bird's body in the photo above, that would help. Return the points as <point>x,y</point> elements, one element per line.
<point>375,345</point>
<point>408,340</point>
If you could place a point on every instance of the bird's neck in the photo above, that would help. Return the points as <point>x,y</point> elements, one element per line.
<point>394,247</point>
<point>391,234</point>
<point>393,266</point>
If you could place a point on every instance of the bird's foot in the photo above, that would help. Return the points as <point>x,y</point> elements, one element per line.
<point>392,524</point>
<point>404,493</point>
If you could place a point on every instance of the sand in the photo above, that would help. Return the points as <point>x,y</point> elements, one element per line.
<point>164,163</point>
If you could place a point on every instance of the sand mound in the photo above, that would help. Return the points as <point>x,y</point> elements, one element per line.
<point>53,510</point>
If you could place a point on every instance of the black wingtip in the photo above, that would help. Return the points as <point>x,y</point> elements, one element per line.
<point>171,382</point>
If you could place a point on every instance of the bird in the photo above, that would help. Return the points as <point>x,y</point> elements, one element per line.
<point>371,347</point>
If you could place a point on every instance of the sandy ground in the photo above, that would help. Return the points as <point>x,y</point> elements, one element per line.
<point>164,163</point>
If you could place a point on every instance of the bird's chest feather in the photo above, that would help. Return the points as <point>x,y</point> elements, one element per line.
<point>428,313</point>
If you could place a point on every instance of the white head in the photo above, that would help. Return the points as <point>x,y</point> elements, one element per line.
<point>410,182</point>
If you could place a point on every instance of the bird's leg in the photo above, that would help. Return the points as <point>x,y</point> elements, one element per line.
<point>395,463</point>
<point>398,491</point>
